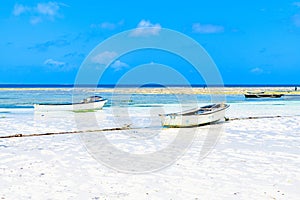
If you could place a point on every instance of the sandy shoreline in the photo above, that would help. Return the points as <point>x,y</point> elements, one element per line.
<point>253,159</point>
<point>171,90</point>
<point>246,159</point>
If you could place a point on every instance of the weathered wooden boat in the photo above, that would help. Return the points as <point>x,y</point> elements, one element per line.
<point>90,103</point>
<point>195,117</point>
<point>263,95</point>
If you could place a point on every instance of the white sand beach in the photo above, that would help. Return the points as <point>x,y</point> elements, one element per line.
<point>252,158</point>
<point>149,100</point>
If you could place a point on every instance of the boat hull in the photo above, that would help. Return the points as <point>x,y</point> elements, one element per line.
<point>263,95</point>
<point>70,107</point>
<point>178,121</point>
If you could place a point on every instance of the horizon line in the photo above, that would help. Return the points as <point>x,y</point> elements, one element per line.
<point>137,85</point>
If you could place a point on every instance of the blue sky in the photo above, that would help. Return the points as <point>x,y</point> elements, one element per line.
<point>251,42</point>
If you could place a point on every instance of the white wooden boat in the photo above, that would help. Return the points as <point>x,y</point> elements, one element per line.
<point>195,117</point>
<point>90,103</point>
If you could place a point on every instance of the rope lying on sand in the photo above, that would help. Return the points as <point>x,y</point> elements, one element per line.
<point>245,118</point>
<point>260,117</point>
<point>127,127</point>
<point>67,132</point>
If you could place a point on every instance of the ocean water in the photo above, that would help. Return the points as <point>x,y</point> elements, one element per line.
<point>18,116</point>
<point>20,98</point>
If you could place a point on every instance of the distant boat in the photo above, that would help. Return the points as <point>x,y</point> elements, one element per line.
<point>90,103</point>
<point>195,117</point>
<point>262,95</point>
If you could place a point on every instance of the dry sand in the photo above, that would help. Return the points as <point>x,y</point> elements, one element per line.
<point>253,159</point>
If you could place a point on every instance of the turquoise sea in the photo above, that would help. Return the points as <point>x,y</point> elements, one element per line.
<point>20,98</point>
<point>16,107</point>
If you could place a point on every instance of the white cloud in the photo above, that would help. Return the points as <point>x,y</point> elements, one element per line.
<point>257,70</point>
<point>207,28</point>
<point>118,65</point>
<point>35,20</point>
<point>108,25</point>
<point>296,4</point>
<point>54,63</point>
<point>105,25</point>
<point>146,28</point>
<point>40,12</point>
<point>50,8</point>
<point>105,57</point>
<point>20,9</point>
<point>296,20</point>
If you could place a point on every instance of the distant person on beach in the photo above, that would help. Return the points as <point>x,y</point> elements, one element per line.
<point>295,88</point>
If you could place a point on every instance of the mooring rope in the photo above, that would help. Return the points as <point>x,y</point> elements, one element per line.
<point>127,127</point>
<point>260,117</point>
